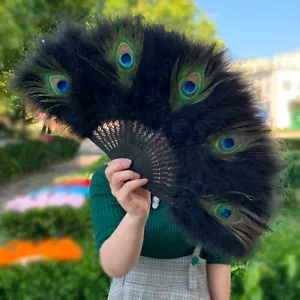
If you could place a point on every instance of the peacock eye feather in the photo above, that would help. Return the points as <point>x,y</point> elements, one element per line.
<point>125,57</point>
<point>121,43</point>
<point>194,77</point>
<point>223,212</point>
<point>190,86</point>
<point>226,145</point>
<point>229,144</point>
<point>59,84</point>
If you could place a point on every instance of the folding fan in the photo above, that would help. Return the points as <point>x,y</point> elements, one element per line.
<point>172,105</point>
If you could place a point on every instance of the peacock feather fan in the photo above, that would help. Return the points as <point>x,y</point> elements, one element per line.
<point>172,105</point>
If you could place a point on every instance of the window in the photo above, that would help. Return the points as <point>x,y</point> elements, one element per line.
<point>287,85</point>
<point>298,86</point>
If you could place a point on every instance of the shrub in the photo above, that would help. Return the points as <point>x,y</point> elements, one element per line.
<point>27,156</point>
<point>293,155</point>
<point>292,144</point>
<point>49,222</point>
<point>57,281</point>
<point>291,178</point>
<point>293,173</point>
<point>275,270</point>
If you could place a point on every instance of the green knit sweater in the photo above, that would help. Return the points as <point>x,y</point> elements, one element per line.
<point>162,239</point>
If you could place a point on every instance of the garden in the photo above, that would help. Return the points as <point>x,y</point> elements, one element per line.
<point>48,249</point>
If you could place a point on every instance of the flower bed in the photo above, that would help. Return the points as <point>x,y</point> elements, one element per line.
<point>64,249</point>
<point>54,211</point>
<point>52,251</point>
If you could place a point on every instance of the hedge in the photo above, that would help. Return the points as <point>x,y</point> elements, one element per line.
<point>274,271</point>
<point>49,222</point>
<point>27,156</point>
<point>83,280</point>
<point>292,144</point>
<point>291,178</point>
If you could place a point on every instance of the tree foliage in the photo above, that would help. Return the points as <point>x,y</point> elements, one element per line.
<point>181,15</point>
<point>21,20</point>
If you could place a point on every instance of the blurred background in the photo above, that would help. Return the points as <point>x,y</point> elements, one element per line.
<point>47,245</point>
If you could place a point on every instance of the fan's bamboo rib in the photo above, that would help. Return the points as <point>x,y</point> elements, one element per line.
<point>158,149</point>
<point>127,135</point>
<point>118,131</point>
<point>106,130</point>
<point>97,142</point>
<point>163,156</point>
<point>154,151</point>
<point>164,175</point>
<point>113,135</point>
<point>122,133</point>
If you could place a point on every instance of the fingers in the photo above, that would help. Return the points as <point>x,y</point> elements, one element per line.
<point>130,186</point>
<point>117,174</point>
<point>116,165</point>
<point>118,179</point>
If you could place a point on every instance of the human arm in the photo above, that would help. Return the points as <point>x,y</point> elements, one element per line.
<point>118,224</point>
<point>218,270</point>
<point>121,251</point>
<point>219,281</point>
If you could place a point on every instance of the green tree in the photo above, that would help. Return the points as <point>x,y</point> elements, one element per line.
<point>21,20</point>
<point>181,15</point>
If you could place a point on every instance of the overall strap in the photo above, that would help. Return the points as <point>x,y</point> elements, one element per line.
<point>197,269</point>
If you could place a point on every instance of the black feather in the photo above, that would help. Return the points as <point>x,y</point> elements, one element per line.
<point>243,178</point>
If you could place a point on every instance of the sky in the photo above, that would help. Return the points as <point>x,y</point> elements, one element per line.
<point>255,28</point>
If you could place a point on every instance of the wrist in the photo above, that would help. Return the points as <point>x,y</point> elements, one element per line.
<point>137,220</point>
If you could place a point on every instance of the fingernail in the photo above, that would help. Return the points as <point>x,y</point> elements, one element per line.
<point>126,162</point>
<point>137,175</point>
<point>145,179</point>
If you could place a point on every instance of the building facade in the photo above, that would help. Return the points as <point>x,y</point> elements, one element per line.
<point>276,83</point>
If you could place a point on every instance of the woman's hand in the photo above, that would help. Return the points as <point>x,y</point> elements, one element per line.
<point>132,197</point>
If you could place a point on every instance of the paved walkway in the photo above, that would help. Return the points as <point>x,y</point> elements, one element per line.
<point>88,153</point>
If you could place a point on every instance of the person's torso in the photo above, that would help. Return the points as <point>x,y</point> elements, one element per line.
<point>163,238</point>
